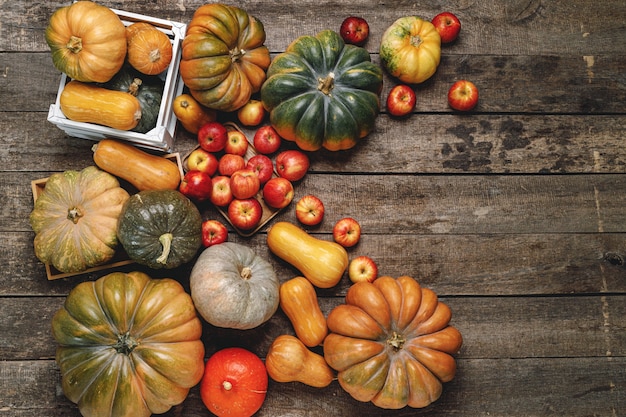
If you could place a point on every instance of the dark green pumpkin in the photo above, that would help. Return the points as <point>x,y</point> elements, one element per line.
<point>322,92</point>
<point>147,89</point>
<point>160,228</point>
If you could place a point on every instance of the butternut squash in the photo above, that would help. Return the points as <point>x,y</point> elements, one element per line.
<point>299,302</point>
<point>288,360</point>
<point>143,170</point>
<point>320,261</point>
<point>88,103</point>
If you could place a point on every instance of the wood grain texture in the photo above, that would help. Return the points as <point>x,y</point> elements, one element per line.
<point>513,214</point>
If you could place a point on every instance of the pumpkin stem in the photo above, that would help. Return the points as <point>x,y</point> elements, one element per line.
<point>236,54</point>
<point>396,341</point>
<point>326,85</point>
<point>416,41</point>
<point>75,44</point>
<point>166,242</point>
<point>133,88</point>
<point>246,273</point>
<point>125,343</point>
<point>74,214</point>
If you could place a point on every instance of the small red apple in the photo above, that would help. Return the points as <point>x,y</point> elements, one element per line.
<point>362,268</point>
<point>266,140</point>
<point>213,233</point>
<point>212,136</point>
<point>310,210</point>
<point>278,192</point>
<point>448,26</point>
<point>347,232</point>
<point>262,165</point>
<point>354,30</point>
<point>196,185</point>
<point>201,160</point>
<point>245,214</point>
<point>401,100</point>
<point>221,195</point>
<point>229,163</point>
<point>463,95</point>
<point>252,113</point>
<point>244,183</point>
<point>292,164</point>
<point>237,143</point>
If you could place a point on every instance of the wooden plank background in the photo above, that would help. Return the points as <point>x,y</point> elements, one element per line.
<point>513,214</point>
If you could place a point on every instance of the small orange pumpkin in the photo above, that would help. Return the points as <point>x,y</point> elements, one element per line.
<point>149,49</point>
<point>87,41</point>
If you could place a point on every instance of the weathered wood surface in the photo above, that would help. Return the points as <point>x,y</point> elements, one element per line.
<point>513,214</point>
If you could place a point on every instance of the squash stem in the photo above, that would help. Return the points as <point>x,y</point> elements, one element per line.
<point>125,344</point>
<point>246,273</point>
<point>166,242</point>
<point>133,88</point>
<point>416,41</point>
<point>75,44</point>
<point>396,341</point>
<point>74,214</point>
<point>326,85</point>
<point>236,54</point>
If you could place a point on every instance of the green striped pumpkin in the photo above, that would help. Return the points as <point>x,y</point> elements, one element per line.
<point>322,92</point>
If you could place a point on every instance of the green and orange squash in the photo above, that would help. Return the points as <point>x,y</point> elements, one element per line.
<point>128,345</point>
<point>224,58</point>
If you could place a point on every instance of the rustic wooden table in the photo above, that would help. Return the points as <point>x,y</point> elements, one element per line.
<point>514,214</point>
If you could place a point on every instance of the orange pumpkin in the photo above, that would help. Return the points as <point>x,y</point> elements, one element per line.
<point>87,41</point>
<point>392,344</point>
<point>149,49</point>
<point>223,57</point>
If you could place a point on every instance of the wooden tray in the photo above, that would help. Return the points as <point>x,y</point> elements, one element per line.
<point>119,259</point>
<point>268,212</point>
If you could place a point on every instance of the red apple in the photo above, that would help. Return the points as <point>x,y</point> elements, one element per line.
<point>292,164</point>
<point>201,160</point>
<point>401,100</point>
<point>196,185</point>
<point>354,30</point>
<point>362,268</point>
<point>252,113</point>
<point>221,195</point>
<point>262,165</point>
<point>278,192</point>
<point>266,140</point>
<point>310,210</point>
<point>237,143</point>
<point>463,95</point>
<point>244,183</point>
<point>448,26</point>
<point>245,214</point>
<point>213,233</point>
<point>347,232</point>
<point>229,163</point>
<point>212,136</point>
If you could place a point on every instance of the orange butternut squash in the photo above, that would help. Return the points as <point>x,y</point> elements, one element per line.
<point>88,103</point>
<point>299,302</point>
<point>288,360</point>
<point>320,261</point>
<point>143,170</point>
